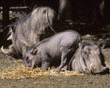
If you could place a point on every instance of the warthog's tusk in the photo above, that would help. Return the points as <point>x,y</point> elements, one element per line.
<point>6,51</point>
<point>33,63</point>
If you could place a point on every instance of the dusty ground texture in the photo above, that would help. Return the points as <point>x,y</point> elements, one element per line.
<point>73,81</point>
<point>76,81</point>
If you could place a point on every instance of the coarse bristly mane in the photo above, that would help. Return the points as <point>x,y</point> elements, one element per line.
<point>38,15</point>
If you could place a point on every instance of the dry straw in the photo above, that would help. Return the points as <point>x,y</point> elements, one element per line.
<point>26,72</point>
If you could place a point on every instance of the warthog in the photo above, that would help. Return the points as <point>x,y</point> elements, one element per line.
<point>31,29</point>
<point>58,47</point>
<point>89,59</point>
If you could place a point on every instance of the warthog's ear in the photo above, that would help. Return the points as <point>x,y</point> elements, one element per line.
<point>101,45</point>
<point>34,52</point>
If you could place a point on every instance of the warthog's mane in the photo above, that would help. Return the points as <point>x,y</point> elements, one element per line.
<point>22,20</point>
<point>34,46</point>
<point>39,26</point>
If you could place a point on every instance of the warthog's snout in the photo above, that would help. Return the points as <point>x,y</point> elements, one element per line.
<point>104,70</point>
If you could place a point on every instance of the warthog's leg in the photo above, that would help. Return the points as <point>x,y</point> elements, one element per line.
<point>45,65</point>
<point>65,67</point>
<point>65,52</point>
<point>45,61</point>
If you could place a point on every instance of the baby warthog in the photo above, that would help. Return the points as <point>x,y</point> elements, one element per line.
<point>58,47</point>
<point>89,59</point>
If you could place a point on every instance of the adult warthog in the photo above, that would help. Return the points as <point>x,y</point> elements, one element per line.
<point>89,59</point>
<point>58,47</point>
<point>31,29</point>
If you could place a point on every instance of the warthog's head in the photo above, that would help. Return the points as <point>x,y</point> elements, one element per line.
<point>31,58</point>
<point>89,58</point>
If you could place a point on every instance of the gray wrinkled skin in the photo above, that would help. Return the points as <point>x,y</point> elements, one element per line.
<point>89,59</point>
<point>58,47</point>
<point>29,29</point>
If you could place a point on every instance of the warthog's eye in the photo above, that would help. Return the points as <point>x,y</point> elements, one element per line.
<point>85,52</point>
<point>34,52</point>
<point>44,11</point>
<point>89,49</point>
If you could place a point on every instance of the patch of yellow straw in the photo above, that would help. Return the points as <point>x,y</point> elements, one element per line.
<point>26,72</point>
<point>107,64</point>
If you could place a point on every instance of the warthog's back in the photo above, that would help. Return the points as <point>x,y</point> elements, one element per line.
<point>65,39</point>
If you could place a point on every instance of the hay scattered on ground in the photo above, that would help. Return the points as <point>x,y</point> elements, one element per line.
<point>107,64</point>
<point>26,72</point>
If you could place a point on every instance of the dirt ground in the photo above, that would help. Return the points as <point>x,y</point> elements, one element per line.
<point>73,81</point>
<point>76,81</point>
